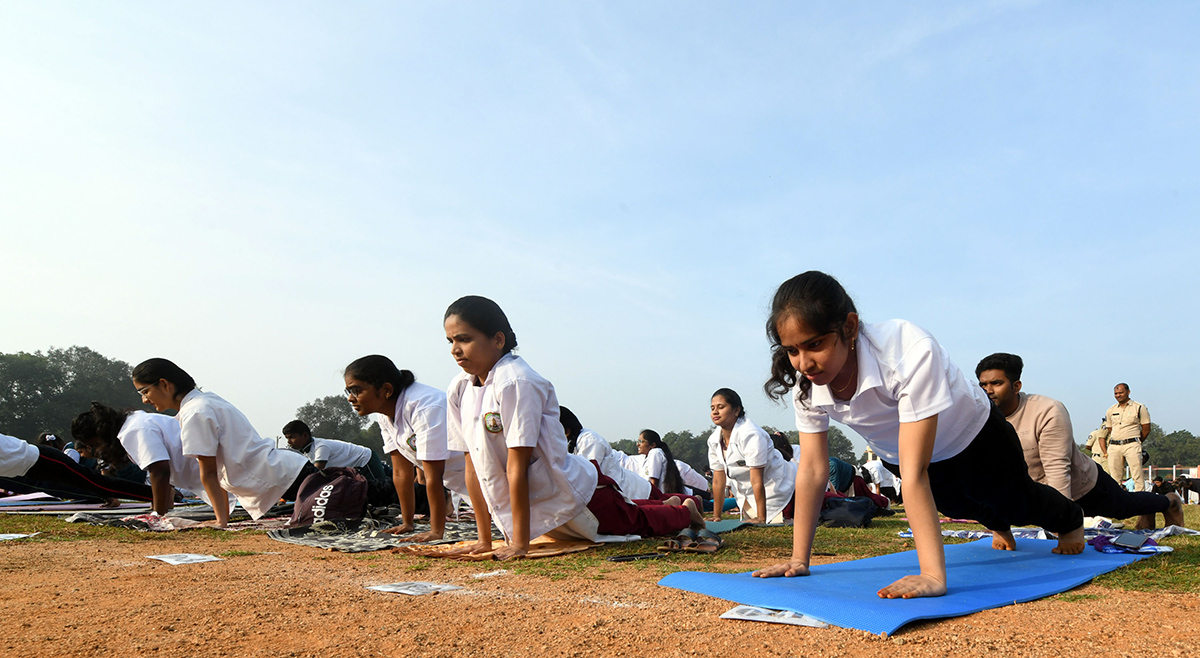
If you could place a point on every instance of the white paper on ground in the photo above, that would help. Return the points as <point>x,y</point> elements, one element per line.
<point>184,558</point>
<point>489,574</point>
<point>616,539</point>
<point>414,588</point>
<point>751,613</point>
<point>17,535</point>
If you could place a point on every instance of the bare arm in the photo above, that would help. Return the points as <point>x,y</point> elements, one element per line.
<point>916,449</point>
<point>718,488</point>
<point>160,486</point>
<point>760,494</point>
<point>402,480</point>
<point>518,496</point>
<point>436,492</point>
<point>812,476</point>
<point>483,517</point>
<point>212,486</point>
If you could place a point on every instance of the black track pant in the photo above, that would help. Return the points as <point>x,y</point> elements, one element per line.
<point>1110,499</point>
<point>57,474</point>
<point>989,482</point>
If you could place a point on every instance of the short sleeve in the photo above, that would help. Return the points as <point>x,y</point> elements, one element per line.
<point>715,463</point>
<point>320,451</point>
<point>429,424</point>
<point>454,434</point>
<point>756,447</point>
<point>145,446</point>
<point>1143,415</point>
<point>656,464</point>
<point>809,420</point>
<point>200,435</point>
<point>522,404</point>
<point>924,383</point>
<point>589,447</point>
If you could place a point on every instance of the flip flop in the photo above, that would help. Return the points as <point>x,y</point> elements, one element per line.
<point>706,542</point>
<point>681,542</point>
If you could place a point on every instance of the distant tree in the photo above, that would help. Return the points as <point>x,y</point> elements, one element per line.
<point>690,448</point>
<point>840,446</point>
<point>43,392</point>
<point>627,446</point>
<point>1178,447</point>
<point>332,417</point>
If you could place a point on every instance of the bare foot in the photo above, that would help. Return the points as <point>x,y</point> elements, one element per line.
<point>472,549</point>
<point>1070,543</point>
<point>1174,513</point>
<point>1003,540</point>
<point>673,500</point>
<point>402,529</point>
<point>911,587</point>
<point>697,518</point>
<point>110,502</point>
<point>1145,522</point>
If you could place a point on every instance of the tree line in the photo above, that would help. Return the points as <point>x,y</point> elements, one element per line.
<point>44,391</point>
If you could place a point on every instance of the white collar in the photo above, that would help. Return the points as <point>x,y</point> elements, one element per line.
<point>869,376</point>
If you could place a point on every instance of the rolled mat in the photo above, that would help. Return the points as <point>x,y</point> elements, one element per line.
<point>844,594</point>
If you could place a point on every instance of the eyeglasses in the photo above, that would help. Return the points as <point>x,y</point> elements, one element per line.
<point>355,391</point>
<point>142,391</point>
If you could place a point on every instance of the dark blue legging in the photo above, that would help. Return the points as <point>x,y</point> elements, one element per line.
<point>56,473</point>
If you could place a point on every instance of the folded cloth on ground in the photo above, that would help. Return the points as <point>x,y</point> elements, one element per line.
<point>1088,533</point>
<point>538,548</point>
<point>364,535</point>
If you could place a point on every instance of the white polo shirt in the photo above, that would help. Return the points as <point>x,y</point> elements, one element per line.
<point>337,454</point>
<point>150,438</point>
<point>904,375</point>
<point>750,447</point>
<point>418,433</point>
<point>16,456</point>
<point>881,476</point>
<point>631,462</point>
<point>249,466</point>
<point>592,446</point>
<point>516,407</point>
<point>654,465</point>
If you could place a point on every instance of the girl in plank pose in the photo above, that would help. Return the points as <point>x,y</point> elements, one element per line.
<point>894,384</point>
<point>505,417</point>
<point>412,418</point>
<point>231,455</point>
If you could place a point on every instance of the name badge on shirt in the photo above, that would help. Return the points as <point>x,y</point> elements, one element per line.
<point>412,442</point>
<point>741,462</point>
<point>491,422</point>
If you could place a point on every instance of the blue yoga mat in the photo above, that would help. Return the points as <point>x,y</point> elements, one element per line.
<point>844,594</point>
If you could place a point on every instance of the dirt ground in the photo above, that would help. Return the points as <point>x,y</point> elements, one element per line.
<point>104,598</point>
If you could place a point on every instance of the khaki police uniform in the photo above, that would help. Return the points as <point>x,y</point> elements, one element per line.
<point>1093,446</point>
<point>1125,440</point>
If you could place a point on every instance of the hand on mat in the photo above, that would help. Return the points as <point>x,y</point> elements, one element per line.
<point>110,502</point>
<point>428,535</point>
<point>402,529</point>
<point>715,517</point>
<point>911,587</point>
<point>509,553</point>
<point>787,569</point>
<point>471,549</point>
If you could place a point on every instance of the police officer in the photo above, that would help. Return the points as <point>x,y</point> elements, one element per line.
<point>1097,445</point>
<point>1128,425</point>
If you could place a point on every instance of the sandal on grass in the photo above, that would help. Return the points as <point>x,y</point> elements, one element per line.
<point>686,538</point>
<point>706,542</point>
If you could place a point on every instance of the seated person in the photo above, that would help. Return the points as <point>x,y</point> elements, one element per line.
<point>882,481</point>
<point>844,482</point>
<point>333,453</point>
<point>1044,428</point>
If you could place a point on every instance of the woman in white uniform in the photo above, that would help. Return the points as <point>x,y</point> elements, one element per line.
<point>591,446</point>
<point>506,417</point>
<point>232,457</point>
<point>412,419</point>
<point>658,464</point>
<point>150,440</point>
<point>741,455</point>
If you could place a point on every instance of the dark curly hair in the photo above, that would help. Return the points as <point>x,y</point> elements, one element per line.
<point>97,428</point>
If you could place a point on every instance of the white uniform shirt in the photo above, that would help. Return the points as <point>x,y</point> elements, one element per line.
<point>631,462</point>
<point>691,477</point>
<point>337,454</point>
<point>881,476</point>
<point>750,447</point>
<point>590,445</point>
<point>151,438</point>
<point>904,376</point>
<point>516,407</point>
<point>16,456</point>
<point>418,433</point>
<point>654,465</point>
<point>249,466</point>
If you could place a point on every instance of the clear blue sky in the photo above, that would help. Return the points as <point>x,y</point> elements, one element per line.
<point>264,192</point>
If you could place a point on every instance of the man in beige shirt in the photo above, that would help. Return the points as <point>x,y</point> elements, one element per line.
<point>1044,428</point>
<point>1128,425</point>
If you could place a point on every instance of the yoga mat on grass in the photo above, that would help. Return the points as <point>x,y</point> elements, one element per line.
<point>844,594</point>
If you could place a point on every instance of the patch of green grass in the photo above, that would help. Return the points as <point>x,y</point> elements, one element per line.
<point>1077,598</point>
<point>55,529</point>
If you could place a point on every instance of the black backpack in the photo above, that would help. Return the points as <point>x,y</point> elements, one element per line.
<point>336,494</point>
